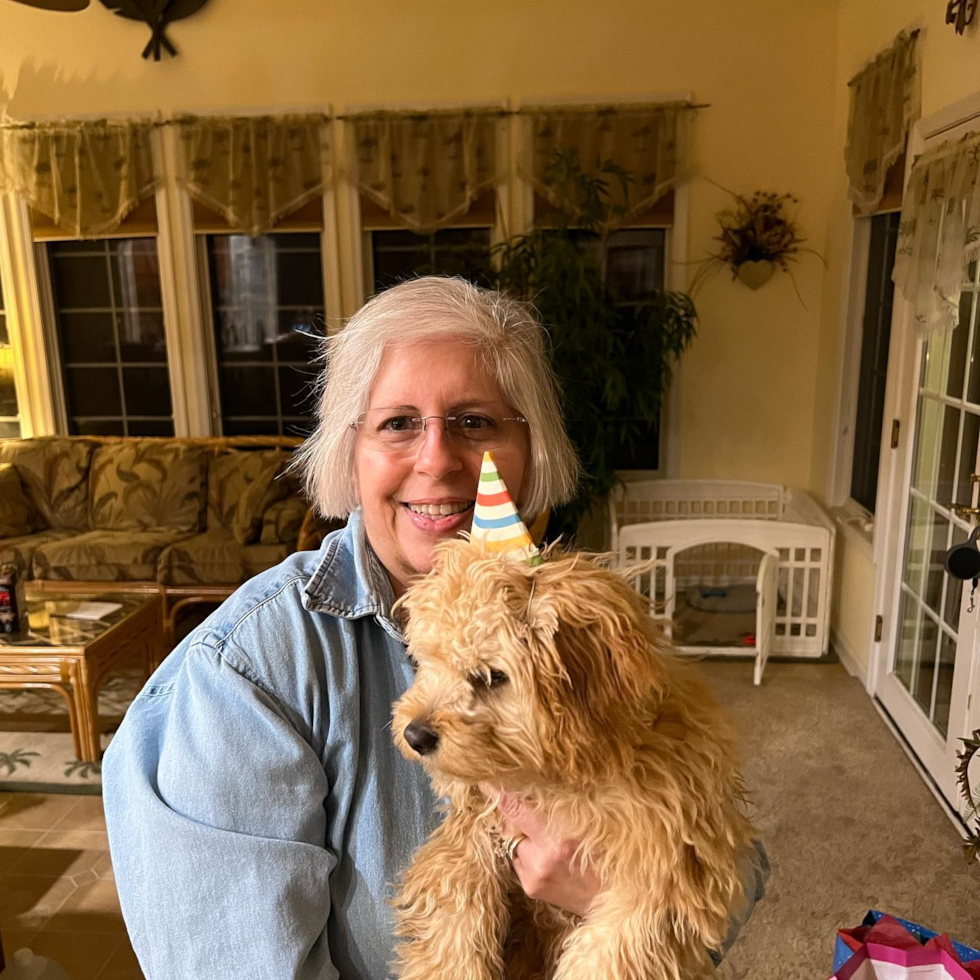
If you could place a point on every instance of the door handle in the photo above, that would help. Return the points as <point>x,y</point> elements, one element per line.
<point>966,511</point>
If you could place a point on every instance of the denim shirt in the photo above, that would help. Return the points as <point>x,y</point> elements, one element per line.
<point>257,809</point>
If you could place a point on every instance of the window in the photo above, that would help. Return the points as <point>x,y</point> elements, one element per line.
<point>634,267</point>
<point>876,332</point>
<point>391,256</point>
<point>268,312</point>
<point>9,419</point>
<point>108,318</point>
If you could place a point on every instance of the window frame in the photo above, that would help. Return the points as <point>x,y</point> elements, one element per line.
<point>849,513</point>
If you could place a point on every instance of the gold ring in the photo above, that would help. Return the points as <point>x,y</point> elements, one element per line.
<point>509,846</point>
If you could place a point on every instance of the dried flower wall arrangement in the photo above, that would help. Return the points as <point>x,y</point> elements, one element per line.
<point>758,235</point>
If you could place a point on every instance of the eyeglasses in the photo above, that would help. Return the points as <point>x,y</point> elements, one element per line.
<point>474,431</point>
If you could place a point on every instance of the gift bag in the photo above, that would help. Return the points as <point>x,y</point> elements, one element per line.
<point>884,947</point>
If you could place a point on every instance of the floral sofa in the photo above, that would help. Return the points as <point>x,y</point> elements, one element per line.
<point>195,517</point>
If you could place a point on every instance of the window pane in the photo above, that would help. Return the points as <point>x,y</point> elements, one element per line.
<point>635,263</point>
<point>8,394</point>
<point>296,391</point>
<point>268,318</point>
<point>142,336</point>
<point>247,391</point>
<point>399,255</point>
<point>92,391</point>
<point>108,315</point>
<point>249,427</point>
<point>79,281</point>
<point>9,430</point>
<point>4,339</point>
<point>300,279</point>
<point>148,427</point>
<point>136,275</point>
<point>147,391</point>
<point>96,427</point>
<point>87,338</point>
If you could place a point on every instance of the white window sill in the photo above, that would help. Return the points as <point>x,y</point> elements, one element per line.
<point>857,525</point>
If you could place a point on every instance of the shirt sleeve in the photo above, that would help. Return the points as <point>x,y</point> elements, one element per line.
<point>214,805</point>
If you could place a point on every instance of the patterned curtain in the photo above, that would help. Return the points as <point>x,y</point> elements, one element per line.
<point>254,171</point>
<point>939,233</point>
<point>86,176</point>
<point>885,101</point>
<point>649,141</point>
<point>424,169</point>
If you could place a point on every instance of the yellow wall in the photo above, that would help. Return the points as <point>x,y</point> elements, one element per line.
<point>950,72</point>
<point>765,66</point>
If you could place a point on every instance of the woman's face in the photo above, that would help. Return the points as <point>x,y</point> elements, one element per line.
<point>395,489</point>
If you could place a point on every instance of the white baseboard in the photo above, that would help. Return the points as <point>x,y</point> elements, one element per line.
<point>852,663</point>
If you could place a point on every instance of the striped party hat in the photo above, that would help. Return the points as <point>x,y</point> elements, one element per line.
<point>495,518</point>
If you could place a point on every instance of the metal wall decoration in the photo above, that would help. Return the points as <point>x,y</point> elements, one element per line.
<point>158,14</point>
<point>960,13</point>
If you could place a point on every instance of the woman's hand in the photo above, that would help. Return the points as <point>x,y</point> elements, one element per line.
<point>543,858</point>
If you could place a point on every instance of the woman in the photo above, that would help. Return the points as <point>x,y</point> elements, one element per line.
<point>256,806</point>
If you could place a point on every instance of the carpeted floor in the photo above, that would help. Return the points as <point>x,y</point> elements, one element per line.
<point>848,823</point>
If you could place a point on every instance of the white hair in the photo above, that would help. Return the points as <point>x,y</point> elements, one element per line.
<point>511,342</point>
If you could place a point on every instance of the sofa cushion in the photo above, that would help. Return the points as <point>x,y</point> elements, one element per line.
<point>54,471</point>
<point>147,485</point>
<point>105,556</point>
<point>211,558</point>
<point>241,485</point>
<point>281,522</point>
<point>15,510</point>
<point>259,557</point>
<point>20,550</point>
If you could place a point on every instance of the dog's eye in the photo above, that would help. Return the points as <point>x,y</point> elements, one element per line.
<point>494,679</point>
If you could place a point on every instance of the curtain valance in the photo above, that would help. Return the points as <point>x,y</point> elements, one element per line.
<point>649,140</point>
<point>885,101</point>
<point>939,232</point>
<point>254,170</point>
<point>425,169</point>
<point>86,176</point>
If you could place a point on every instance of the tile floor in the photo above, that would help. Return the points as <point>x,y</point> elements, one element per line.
<point>57,892</point>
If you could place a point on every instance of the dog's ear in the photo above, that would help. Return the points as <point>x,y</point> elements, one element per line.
<point>598,673</point>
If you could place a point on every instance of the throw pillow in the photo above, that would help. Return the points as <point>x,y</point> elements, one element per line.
<point>15,511</point>
<point>241,485</point>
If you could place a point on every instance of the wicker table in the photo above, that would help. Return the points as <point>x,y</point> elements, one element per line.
<point>73,656</point>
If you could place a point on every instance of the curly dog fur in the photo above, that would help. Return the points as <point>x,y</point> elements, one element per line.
<point>553,683</point>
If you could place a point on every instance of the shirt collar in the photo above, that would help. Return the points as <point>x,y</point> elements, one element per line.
<point>349,581</point>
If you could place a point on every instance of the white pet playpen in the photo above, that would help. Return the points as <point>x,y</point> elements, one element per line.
<point>730,568</point>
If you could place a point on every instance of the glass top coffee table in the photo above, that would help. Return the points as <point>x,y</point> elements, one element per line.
<point>73,656</point>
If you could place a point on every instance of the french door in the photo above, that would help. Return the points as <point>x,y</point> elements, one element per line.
<point>927,672</point>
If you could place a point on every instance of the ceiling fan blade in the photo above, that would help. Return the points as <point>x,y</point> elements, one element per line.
<point>64,5</point>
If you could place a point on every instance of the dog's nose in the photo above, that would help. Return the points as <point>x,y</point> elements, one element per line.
<point>421,739</point>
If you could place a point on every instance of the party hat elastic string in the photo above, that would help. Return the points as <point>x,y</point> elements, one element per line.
<point>495,518</point>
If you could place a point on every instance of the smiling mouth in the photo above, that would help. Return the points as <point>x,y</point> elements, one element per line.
<point>439,510</point>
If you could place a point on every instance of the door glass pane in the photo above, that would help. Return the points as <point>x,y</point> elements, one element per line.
<point>925,668</point>
<point>954,589</point>
<point>905,648</point>
<point>935,362</point>
<point>944,683</point>
<point>946,465</point>
<point>926,440</point>
<point>936,573</point>
<point>968,458</point>
<point>916,544</point>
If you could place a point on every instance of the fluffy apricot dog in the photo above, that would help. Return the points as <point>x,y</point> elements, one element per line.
<point>552,683</point>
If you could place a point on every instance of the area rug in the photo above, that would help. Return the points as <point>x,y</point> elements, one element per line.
<point>36,753</point>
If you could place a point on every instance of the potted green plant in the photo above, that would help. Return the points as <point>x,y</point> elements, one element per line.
<point>613,359</point>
